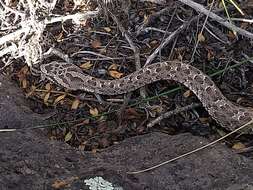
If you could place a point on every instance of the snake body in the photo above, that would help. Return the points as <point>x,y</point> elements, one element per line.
<point>225,112</point>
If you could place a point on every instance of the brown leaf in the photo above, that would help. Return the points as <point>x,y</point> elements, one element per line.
<point>75,104</point>
<point>107,29</point>
<point>59,98</point>
<point>201,37</point>
<point>231,35</point>
<point>59,37</point>
<point>86,65</point>
<point>204,120</point>
<point>48,86</point>
<point>113,67</point>
<point>24,70</point>
<point>94,111</point>
<point>61,184</point>
<point>32,90</point>
<point>58,184</point>
<point>115,74</point>
<point>46,97</point>
<point>24,83</point>
<point>187,94</point>
<point>96,44</point>
<point>68,136</point>
<point>238,146</point>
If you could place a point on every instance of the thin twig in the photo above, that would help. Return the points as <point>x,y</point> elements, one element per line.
<point>133,47</point>
<point>167,40</point>
<point>173,112</point>
<point>217,18</point>
<point>191,152</point>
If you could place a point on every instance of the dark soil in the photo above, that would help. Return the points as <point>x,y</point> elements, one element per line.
<point>29,160</point>
<point>110,139</point>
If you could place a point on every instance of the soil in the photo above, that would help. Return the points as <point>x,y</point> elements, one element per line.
<point>70,140</point>
<point>29,160</point>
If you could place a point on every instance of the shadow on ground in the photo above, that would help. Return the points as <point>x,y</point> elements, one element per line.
<point>28,160</point>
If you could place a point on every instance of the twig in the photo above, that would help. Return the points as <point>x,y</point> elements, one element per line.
<point>133,47</point>
<point>191,152</point>
<point>150,19</point>
<point>201,32</point>
<point>217,18</point>
<point>173,112</point>
<point>167,40</point>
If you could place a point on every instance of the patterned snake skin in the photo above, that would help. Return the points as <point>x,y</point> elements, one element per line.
<point>226,113</point>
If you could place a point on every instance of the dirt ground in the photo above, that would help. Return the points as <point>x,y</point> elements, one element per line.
<point>74,140</point>
<point>29,160</point>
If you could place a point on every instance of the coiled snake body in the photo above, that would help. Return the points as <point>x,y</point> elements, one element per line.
<point>226,113</point>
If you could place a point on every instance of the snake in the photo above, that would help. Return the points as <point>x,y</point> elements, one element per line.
<point>225,112</point>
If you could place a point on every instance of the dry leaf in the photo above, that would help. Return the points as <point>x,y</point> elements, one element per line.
<point>187,94</point>
<point>59,184</point>
<point>107,29</point>
<point>115,74</point>
<point>238,146</point>
<point>59,98</point>
<point>86,65</point>
<point>204,120</point>
<point>96,44</point>
<point>210,54</point>
<point>146,18</point>
<point>24,83</point>
<point>94,111</point>
<point>24,70</point>
<point>68,136</point>
<point>231,35</point>
<point>75,104</point>
<point>59,37</point>
<point>153,42</point>
<point>201,37</point>
<point>113,67</point>
<point>48,86</point>
<point>33,88</point>
<point>46,97</point>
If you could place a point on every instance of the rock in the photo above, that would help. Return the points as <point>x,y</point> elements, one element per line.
<point>29,160</point>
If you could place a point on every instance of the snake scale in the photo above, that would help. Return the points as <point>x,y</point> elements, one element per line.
<point>225,112</point>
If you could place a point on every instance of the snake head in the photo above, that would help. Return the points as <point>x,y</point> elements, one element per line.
<point>62,73</point>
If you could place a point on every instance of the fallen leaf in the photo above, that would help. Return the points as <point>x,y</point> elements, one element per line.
<point>33,89</point>
<point>94,111</point>
<point>113,67</point>
<point>115,74</point>
<point>231,35</point>
<point>153,42</point>
<point>24,83</point>
<point>107,29</point>
<point>187,94</point>
<point>96,44</point>
<point>238,146</point>
<point>204,120</point>
<point>58,184</point>
<point>46,97</point>
<point>24,70</point>
<point>59,37</point>
<point>75,104</point>
<point>86,65</point>
<point>48,86</point>
<point>201,37</point>
<point>68,136</point>
<point>146,18</point>
<point>59,98</point>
